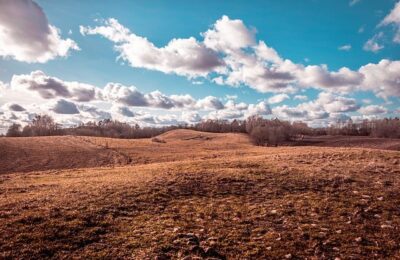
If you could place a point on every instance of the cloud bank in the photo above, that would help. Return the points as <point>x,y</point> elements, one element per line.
<point>26,35</point>
<point>229,54</point>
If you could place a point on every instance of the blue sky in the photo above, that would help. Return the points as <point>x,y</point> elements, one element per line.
<point>308,32</point>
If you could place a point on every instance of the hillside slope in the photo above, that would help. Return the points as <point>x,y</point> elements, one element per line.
<point>66,152</point>
<point>55,152</point>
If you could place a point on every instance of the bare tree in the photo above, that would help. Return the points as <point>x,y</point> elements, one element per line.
<point>14,130</point>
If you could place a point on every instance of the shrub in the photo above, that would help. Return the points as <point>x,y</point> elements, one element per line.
<point>158,140</point>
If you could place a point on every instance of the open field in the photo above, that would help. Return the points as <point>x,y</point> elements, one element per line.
<point>201,195</point>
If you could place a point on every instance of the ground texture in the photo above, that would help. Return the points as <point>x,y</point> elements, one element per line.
<point>200,196</point>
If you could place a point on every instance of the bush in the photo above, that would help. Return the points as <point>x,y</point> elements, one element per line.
<point>158,140</point>
<point>268,135</point>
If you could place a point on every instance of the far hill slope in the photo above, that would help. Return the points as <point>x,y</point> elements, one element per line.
<point>54,152</point>
<point>65,152</point>
<point>22,154</point>
<point>352,141</point>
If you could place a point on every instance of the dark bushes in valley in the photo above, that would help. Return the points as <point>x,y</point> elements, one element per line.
<point>385,128</point>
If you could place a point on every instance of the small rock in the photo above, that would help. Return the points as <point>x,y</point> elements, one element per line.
<point>339,231</point>
<point>274,211</point>
<point>380,198</point>
<point>269,248</point>
<point>288,256</point>
<point>197,250</point>
<point>386,226</point>
<point>211,252</point>
<point>358,239</point>
<point>162,257</point>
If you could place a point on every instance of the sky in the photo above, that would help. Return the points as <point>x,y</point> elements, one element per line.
<point>159,63</point>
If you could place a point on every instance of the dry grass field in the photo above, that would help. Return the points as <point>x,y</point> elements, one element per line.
<point>196,196</point>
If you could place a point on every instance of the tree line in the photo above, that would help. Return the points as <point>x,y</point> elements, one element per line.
<point>261,131</point>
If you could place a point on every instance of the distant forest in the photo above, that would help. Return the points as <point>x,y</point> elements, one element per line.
<point>262,131</point>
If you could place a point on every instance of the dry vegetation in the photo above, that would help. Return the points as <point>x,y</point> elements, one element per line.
<point>201,195</point>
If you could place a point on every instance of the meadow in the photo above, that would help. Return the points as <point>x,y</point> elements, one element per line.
<point>196,195</point>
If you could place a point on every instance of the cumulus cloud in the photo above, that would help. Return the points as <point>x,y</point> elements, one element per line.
<point>191,117</point>
<point>382,78</point>
<point>337,104</point>
<point>225,114</point>
<point>209,102</point>
<point>93,113</point>
<point>131,96</point>
<point>261,108</point>
<point>186,57</point>
<point>51,87</point>
<point>278,98</point>
<point>26,35</point>
<point>228,35</point>
<point>63,106</point>
<point>326,107</point>
<point>124,111</point>
<point>13,107</point>
<point>372,110</point>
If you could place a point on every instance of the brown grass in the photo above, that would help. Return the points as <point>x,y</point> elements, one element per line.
<point>208,196</point>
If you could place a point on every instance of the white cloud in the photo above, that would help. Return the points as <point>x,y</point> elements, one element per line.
<point>237,59</point>
<point>131,96</point>
<point>278,98</point>
<point>52,87</point>
<point>185,57</point>
<point>191,117</point>
<point>123,110</point>
<point>26,35</point>
<point>354,2</point>
<point>209,102</point>
<point>372,110</point>
<point>261,109</point>
<point>373,44</point>
<point>13,107</point>
<point>327,107</point>
<point>228,35</point>
<point>63,106</point>
<point>337,104</point>
<point>382,78</point>
<point>300,97</point>
<point>346,47</point>
<point>393,18</point>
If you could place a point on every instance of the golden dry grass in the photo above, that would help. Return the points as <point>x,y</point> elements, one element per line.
<point>205,195</point>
